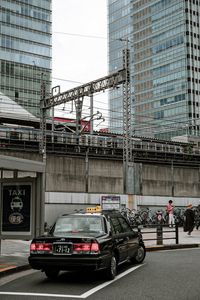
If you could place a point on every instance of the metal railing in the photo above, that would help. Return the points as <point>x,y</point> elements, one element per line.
<point>160,233</point>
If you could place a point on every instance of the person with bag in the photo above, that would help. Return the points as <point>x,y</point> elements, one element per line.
<point>189,217</point>
<point>197,216</point>
<point>170,212</point>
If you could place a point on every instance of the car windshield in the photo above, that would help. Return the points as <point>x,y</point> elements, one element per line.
<point>85,225</point>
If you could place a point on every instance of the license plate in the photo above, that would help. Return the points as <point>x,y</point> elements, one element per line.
<point>65,248</point>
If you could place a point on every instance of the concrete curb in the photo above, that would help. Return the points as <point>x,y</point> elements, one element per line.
<point>171,247</point>
<point>13,270</point>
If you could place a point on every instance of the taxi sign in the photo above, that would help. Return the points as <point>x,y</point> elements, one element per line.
<point>94,209</point>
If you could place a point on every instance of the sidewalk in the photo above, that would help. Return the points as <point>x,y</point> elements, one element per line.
<point>14,253</point>
<point>13,256</point>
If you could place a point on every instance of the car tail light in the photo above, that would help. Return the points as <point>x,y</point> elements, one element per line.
<point>41,248</point>
<point>86,248</point>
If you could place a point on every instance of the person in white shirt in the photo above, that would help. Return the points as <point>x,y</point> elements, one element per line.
<point>170,211</point>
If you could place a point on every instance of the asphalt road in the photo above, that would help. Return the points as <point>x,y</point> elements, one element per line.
<point>165,275</point>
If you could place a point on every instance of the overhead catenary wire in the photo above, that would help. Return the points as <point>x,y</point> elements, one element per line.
<point>10,106</point>
<point>81,35</point>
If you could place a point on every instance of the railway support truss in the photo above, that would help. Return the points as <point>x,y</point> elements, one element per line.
<point>77,95</point>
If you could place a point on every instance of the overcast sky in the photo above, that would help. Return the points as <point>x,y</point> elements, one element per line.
<point>79,53</point>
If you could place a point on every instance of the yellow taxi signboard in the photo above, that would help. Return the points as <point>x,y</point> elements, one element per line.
<point>94,209</point>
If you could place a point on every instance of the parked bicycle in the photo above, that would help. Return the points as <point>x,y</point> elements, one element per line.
<point>147,217</point>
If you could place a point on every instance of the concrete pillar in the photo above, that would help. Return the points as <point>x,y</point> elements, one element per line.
<point>134,179</point>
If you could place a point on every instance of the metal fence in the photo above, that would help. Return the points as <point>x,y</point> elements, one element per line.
<point>159,233</point>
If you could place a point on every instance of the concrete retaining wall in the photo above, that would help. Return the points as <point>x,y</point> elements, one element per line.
<point>74,182</point>
<point>79,175</point>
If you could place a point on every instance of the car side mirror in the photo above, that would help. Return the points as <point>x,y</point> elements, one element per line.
<point>47,229</point>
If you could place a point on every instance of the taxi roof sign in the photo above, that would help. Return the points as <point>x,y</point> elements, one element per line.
<point>94,209</point>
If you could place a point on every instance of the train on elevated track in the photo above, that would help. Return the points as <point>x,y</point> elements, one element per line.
<point>24,132</point>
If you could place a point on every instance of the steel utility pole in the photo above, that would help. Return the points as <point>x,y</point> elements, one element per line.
<point>91,114</point>
<point>78,106</point>
<point>42,145</point>
<point>127,145</point>
<point>55,89</point>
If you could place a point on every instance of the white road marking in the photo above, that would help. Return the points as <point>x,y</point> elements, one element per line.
<point>101,286</point>
<point>84,295</point>
<point>40,295</point>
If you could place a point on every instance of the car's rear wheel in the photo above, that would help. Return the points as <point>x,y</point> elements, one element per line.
<point>140,256</point>
<point>111,271</point>
<point>51,274</point>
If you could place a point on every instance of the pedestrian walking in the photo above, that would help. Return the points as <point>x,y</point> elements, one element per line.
<point>170,212</point>
<point>197,216</point>
<point>189,216</point>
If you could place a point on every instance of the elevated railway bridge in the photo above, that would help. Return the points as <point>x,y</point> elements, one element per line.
<point>79,170</point>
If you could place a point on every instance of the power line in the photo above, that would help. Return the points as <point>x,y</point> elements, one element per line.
<point>67,80</point>
<point>122,39</point>
<point>141,123</point>
<point>81,35</point>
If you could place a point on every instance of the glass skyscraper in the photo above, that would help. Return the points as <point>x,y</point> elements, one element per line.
<point>25,50</point>
<point>164,41</point>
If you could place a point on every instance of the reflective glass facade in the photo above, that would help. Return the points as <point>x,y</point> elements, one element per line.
<point>25,50</point>
<point>120,28</point>
<point>165,66</point>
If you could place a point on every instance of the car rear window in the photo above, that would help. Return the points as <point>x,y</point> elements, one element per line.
<point>79,224</point>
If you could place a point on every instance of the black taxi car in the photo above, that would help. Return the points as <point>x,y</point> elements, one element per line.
<point>93,241</point>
